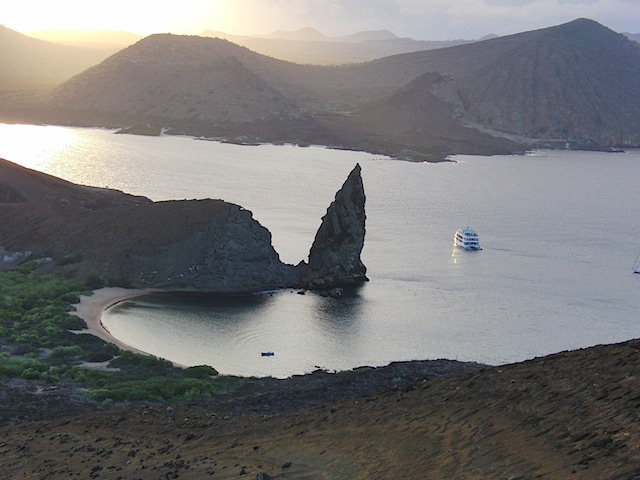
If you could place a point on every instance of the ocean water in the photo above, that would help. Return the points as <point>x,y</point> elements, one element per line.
<point>560,233</point>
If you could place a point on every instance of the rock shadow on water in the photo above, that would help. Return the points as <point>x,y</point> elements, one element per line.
<point>343,314</point>
<point>239,309</point>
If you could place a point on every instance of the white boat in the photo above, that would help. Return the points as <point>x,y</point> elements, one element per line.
<point>467,238</point>
<point>636,266</point>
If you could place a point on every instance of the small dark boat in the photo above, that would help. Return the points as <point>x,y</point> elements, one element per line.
<point>267,354</point>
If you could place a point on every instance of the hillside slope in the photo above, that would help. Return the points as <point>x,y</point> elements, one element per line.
<point>575,85</point>
<point>176,77</point>
<point>107,237</point>
<point>27,62</point>
<point>571,415</point>
<point>578,82</point>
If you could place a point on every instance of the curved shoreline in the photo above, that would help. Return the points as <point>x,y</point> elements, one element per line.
<point>91,308</point>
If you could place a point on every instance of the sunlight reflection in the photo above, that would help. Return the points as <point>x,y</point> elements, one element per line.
<point>455,253</point>
<point>17,144</point>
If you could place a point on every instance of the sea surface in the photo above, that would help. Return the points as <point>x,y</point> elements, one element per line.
<point>560,233</point>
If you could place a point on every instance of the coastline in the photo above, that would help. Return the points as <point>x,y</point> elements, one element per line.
<point>91,307</point>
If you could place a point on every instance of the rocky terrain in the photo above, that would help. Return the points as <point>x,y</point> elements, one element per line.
<point>106,237</point>
<point>334,258</point>
<point>573,415</point>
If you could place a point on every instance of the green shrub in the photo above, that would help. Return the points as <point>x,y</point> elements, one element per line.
<point>33,370</point>
<point>34,316</point>
<point>65,354</point>
<point>200,371</point>
<point>134,362</point>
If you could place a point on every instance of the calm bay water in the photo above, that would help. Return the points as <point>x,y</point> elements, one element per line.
<point>560,233</point>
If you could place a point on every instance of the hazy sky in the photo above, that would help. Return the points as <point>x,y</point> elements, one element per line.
<point>419,19</point>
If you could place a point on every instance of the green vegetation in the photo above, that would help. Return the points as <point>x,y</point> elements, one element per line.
<point>37,343</point>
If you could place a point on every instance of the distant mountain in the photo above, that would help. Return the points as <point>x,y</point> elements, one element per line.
<point>578,83</point>
<point>312,35</point>
<point>308,46</point>
<point>27,62</point>
<point>302,35</point>
<point>575,84</point>
<point>369,36</point>
<point>101,39</point>
<point>180,78</point>
<point>632,36</point>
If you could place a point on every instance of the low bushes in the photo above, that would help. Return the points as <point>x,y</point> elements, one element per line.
<point>37,345</point>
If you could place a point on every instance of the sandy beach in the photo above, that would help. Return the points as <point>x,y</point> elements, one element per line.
<point>91,307</point>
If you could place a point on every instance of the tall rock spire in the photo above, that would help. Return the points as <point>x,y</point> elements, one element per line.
<point>334,258</point>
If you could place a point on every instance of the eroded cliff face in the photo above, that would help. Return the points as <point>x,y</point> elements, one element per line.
<point>203,245</point>
<point>106,237</point>
<point>206,245</point>
<point>334,258</point>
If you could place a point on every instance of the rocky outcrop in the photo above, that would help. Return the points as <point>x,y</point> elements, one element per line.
<point>334,258</point>
<point>106,237</point>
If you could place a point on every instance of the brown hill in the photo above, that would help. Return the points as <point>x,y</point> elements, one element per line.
<point>308,46</point>
<point>212,87</point>
<point>109,40</point>
<point>575,83</point>
<point>177,77</point>
<point>27,62</point>
<point>547,87</point>
<point>413,117</point>
<point>567,416</point>
<point>578,82</point>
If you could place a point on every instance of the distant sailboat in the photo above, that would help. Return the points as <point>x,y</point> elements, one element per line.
<point>636,266</point>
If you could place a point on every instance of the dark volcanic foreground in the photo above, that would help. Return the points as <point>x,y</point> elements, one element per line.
<point>573,415</point>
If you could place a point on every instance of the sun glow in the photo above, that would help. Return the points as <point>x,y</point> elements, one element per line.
<point>141,16</point>
<point>17,145</point>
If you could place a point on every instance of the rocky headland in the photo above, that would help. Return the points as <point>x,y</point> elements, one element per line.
<point>109,238</point>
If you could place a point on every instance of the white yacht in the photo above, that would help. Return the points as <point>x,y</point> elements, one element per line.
<point>467,238</point>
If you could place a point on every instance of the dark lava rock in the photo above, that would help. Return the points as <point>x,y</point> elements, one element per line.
<point>106,237</point>
<point>334,258</point>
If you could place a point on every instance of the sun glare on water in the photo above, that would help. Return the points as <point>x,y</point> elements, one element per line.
<point>17,145</point>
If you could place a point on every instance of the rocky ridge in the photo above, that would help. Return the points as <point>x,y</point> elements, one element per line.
<point>106,237</point>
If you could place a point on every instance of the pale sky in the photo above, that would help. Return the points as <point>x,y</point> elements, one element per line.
<point>418,19</point>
